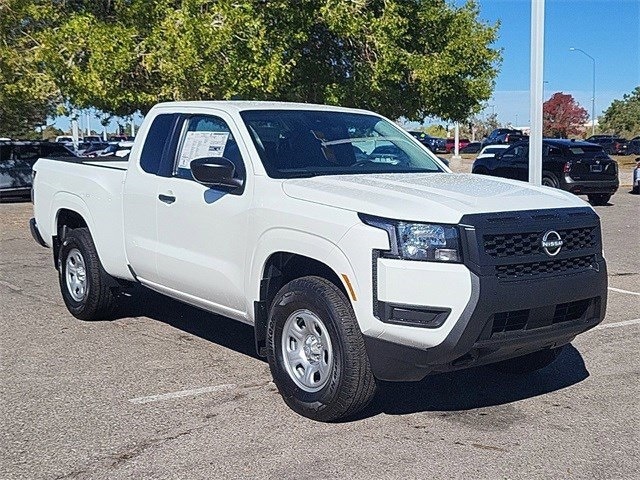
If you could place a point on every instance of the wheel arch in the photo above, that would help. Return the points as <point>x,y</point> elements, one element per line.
<point>274,268</point>
<point>69,211</point>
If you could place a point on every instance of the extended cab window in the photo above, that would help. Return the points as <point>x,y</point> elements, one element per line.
<point>206,136</point>
<point>157,137</point>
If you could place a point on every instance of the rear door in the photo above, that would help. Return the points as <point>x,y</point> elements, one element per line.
<point>140,198</point>
<point>514,163</point>
<point>590,163</point>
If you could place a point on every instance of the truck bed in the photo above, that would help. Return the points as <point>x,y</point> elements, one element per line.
<point>92,187</point>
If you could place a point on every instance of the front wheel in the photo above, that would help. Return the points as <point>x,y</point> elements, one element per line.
<point>600,199</point>
<point>87,290</point>
<point>528,363</point>
<point>316,351</point>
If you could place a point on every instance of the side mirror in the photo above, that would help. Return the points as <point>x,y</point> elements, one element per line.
<point>215,172</point>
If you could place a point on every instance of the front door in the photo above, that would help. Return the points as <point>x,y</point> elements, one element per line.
<point>202,231</point>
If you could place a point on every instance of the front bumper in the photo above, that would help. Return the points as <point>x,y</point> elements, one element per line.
<point>544,307</point>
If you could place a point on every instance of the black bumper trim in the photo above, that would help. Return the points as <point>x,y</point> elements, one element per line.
<point>471,342</point>
<point>35,233</point>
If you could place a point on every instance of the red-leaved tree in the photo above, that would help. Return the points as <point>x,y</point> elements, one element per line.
<point>563,116</point>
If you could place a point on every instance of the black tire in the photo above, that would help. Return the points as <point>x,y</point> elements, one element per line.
<point>98,302</point>
<point>350,385</point>
<point>528,363</point>
<point>599,199</point>
<point>550,180</point>
<point>481,171</point>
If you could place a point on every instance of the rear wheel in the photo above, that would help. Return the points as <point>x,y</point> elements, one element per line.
<point>528,363</point>
<point>481,171</point>
<point>599,199</point>
<point>316,351</point>
<point>87,290</point>
<point>550,180</point>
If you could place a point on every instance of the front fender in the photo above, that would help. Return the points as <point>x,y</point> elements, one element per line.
<point>300,243</point>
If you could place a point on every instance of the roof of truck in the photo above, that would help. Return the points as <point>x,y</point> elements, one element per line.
<point>242,105</point>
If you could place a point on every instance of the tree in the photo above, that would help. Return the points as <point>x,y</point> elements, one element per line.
<point>27,94</point>
<point>399,57</point>
<point>563,116</point>
<point>623,116</point>
<point>436,131</point>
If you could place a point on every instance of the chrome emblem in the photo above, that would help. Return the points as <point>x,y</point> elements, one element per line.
<point>551,243</point>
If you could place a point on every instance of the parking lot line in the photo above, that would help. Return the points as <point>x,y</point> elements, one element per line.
<point>619,290</point>
<point>625,323</point>
<point>183,393</point>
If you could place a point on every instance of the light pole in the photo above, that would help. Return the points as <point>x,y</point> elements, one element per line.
<point>593,97</point>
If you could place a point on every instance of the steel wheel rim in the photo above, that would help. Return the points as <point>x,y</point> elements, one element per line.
<point>76,275</point>
<point>307,352</point>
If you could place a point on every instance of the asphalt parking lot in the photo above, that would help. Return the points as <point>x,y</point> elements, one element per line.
<point>169,391</point>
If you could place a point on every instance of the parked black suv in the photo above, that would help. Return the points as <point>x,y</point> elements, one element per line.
<point>610,143</point>
<point>16,162</point>
<point>633,147</point>
<point>504,135</point>
<point>434,144</point>
<point>578,167</point>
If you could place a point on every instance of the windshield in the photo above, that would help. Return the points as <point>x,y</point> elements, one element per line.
<point>305,143</point>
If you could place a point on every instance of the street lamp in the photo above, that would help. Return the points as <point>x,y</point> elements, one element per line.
<point>593,97</point>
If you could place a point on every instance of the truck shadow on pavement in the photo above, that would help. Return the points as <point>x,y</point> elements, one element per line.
<point>477,388</point>
<point>217,329</point>
<point>448,392</point>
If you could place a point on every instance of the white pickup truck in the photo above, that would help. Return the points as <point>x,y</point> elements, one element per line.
<point>356,254</point>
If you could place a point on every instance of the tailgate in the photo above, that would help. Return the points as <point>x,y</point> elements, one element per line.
<point>590,163</point>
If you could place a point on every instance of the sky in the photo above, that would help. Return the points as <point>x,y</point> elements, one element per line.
<point>608,30</point>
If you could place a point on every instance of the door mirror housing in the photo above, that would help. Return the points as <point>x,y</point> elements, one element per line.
<point>215,172</point>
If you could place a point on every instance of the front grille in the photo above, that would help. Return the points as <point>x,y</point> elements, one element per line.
<point>509,321</point>
<point>531,269</point>
<point>521,244</point>
<point>565,312</point>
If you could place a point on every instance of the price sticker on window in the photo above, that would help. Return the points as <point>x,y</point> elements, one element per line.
<point>202,144</point>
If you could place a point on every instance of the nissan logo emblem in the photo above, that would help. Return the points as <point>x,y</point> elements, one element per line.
<point>551,243</point>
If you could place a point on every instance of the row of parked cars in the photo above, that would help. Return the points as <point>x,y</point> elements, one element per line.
<point>17,158</point>
<point>580,167</point>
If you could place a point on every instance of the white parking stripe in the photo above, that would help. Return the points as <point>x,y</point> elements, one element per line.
<point>184,393</point>
<point>602,326</point>
<point>619,290</point>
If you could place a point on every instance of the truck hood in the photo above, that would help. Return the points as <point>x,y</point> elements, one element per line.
<point>433,197</point>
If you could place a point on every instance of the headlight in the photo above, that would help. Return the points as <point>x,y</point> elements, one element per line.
<point>419,241</point>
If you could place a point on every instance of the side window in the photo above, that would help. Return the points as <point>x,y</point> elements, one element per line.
<point>5,153</point>
<point>521,151</point>
<point>30,153</point>
<point>157,136</point>
<point>552,151</point>
<point>206,136</point>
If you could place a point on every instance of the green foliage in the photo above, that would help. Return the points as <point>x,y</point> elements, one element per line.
<point>50,133</point>
<point>410,58</point>
<point>27,94</point>
<point>436,131</point>
<point>623,116</point>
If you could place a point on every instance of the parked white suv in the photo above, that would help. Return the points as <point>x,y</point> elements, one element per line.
<point>356,254</point>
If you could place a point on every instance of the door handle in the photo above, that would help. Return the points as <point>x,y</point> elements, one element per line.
<point>168,199</point>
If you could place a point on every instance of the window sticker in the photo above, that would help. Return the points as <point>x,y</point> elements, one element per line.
<point>202,144</point>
